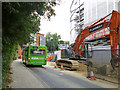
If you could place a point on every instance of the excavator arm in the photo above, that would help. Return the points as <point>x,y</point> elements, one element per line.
<point>115,38</point>
<point>114,26</point>
<point>86,32</point>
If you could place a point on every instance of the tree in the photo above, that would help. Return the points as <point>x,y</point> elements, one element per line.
<point>52,41</point>
<point>19,19</point>
<point>61,42</point>
<point>67,42</point>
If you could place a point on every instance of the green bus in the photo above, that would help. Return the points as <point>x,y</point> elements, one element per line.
<point>34,55</point>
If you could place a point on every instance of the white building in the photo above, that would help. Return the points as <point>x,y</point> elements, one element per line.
<point>89,12</point>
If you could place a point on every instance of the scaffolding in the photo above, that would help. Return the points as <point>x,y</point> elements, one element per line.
<point>76,18</point>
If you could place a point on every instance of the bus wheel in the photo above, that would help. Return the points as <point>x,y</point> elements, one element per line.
<point>26,65</point>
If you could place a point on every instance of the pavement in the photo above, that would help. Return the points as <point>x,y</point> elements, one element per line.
<point>23,78</point>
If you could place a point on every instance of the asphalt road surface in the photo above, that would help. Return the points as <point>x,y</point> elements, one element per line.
<point>59,79</point>
<point>48,77</point>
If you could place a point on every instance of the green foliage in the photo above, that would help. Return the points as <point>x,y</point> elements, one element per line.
<point>18,22</point>
<point>19,19</point>
<point>52,41</point>
<point>67,42</point>
<point>61,42</point>
<point>64,42</point>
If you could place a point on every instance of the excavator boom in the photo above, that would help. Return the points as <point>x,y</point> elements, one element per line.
<point>114,26</point>
<point>115,38</point>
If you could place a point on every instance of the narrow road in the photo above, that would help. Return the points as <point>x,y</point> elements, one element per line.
<point>48,77</point>
<point>59,79</point>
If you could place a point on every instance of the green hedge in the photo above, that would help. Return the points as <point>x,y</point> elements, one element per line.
<point>8,55</point>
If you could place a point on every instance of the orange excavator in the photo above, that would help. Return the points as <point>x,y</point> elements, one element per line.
<point>113,25</point>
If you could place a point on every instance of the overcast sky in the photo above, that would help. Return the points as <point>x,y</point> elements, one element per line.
<point>59,24</point>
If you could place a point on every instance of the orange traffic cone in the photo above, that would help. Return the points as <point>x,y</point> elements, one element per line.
<point>55,65</point>
<point>21,57</point>
<point>61,66</point>
<point>91,74</point>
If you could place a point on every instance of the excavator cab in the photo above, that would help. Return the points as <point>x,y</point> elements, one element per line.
<point>87,50</point>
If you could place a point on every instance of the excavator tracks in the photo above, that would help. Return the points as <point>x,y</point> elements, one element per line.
<point>68,64</point>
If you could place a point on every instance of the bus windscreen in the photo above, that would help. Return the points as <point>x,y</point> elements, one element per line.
<point>37,52</point>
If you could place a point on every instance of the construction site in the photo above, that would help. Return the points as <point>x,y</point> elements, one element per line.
<point>94,49</point>
<point>95,40</point>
